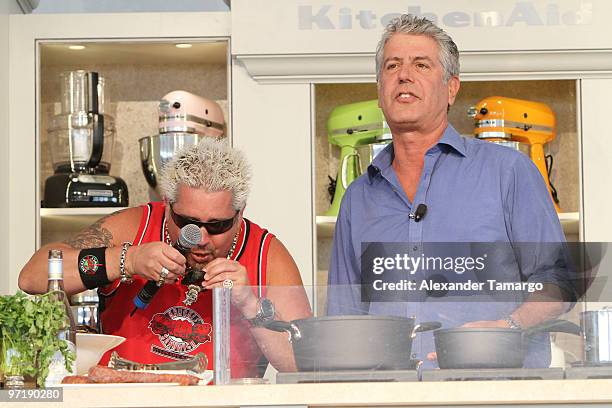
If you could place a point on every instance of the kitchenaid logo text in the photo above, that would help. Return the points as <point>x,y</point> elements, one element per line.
<point>334,17</point>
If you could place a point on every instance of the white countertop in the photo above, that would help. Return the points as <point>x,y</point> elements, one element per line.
<point>345,394</point>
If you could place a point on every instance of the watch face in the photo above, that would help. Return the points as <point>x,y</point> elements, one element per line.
<point>266,309</point>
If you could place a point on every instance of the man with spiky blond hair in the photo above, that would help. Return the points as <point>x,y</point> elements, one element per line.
<point>206,185</point>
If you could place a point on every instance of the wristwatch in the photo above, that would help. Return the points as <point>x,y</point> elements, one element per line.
<point>513,324</point>
<point>265,312</point>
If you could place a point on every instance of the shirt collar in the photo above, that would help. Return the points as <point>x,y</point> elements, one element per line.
<point>384,159</point>
<point>453,139</point>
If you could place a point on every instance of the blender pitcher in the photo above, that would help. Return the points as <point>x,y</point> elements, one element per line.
<point>81,139</point>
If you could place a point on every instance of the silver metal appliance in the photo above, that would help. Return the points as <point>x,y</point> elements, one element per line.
<point>597,331</point>
<point>184,119</point>
<point>81,141</point>
<point>84,307</point>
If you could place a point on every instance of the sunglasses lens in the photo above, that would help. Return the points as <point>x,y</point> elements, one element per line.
<point>179,220</point>
<point>219,227</point>
<point>213,228</point>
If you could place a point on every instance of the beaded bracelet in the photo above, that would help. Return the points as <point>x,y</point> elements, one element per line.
<point>125,278</point>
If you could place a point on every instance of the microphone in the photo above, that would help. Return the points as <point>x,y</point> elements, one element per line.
<point>420,212</point>
<point>189,237</point>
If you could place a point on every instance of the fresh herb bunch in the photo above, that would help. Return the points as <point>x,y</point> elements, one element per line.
<point>29,327</point>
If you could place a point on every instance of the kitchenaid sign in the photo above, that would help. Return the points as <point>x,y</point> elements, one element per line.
<point>521,13</point>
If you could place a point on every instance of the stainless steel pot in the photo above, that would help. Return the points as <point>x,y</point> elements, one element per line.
<point>362,342</point>
<point>474,347</point>
<point>597,332</point>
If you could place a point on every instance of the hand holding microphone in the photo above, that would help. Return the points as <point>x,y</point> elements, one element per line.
<point>189,237</point>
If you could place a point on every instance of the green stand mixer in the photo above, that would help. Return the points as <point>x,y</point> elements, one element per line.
<point>349,127</point>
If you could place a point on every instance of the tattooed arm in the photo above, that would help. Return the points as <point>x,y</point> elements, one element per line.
<point>110,231</point>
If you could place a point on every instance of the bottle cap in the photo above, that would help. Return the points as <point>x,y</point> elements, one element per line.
<point>55,254</point>
<point>55,264</point>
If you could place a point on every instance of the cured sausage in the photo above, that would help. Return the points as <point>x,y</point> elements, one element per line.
<point>101,374</point>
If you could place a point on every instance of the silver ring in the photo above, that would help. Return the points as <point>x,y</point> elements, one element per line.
<point>228,283</point>
<point>162,276</point>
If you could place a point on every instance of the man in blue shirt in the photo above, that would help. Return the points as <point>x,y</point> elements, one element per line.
<point>474,191</point>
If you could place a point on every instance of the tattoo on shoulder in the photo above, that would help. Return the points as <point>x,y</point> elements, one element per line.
<point>94,236</point>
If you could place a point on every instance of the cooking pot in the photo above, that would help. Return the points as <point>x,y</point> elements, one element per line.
<point>486,347</point>
<point>362,342</point>
<point>597,332</point>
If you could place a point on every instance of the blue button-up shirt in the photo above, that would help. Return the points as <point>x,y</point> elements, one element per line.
<point>475,191</point>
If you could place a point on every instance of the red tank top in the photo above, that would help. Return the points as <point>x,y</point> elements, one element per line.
<point>168,330</point>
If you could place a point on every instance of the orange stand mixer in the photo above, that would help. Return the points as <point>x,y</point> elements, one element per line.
<point>501,120</point>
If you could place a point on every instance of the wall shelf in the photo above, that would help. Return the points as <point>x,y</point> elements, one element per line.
<point>78,212</point>
<point>58,223</point>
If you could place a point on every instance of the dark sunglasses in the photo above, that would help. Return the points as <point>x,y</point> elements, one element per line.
<point>212,227</point>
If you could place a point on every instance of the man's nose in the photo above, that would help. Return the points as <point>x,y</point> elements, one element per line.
<point>406,73</point>
<point>205,237</point>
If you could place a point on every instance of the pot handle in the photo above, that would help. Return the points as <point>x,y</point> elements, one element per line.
<point>280,326</point>
<point>423,327</point>
<point>560,326</point>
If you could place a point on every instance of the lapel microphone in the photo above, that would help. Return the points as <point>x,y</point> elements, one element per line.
<point>420,212</point>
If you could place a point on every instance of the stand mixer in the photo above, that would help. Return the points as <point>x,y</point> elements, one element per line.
<point>511,121</point>
<point>350,127</point>
<point>184,120</point>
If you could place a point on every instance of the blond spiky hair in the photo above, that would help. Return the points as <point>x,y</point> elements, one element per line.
<point>212,165</point>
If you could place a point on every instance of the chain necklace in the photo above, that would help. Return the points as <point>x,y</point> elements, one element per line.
<point>233,247</point>
<point>194,290</point>
<point>167,233</point>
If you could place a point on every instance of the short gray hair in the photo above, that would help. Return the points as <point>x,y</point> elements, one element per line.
<point>211,165</point>
<point>411,24</point>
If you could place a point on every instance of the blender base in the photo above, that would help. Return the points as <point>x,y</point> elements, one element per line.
<point>84,190</point>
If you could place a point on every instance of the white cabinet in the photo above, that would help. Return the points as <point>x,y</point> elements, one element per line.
<point>597,159</point>
<point>597,165</point>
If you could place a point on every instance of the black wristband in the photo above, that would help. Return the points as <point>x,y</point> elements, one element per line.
<point>92,267</point>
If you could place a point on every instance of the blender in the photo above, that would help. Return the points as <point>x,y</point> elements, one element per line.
<point>184,119</point>
<point>81,139</point>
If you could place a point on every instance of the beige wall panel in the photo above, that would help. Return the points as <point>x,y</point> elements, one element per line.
<point>4,141</point>
<point>324,26</point>
<point>597,159</point>
<point>271,125</point>
<point>597,167</point>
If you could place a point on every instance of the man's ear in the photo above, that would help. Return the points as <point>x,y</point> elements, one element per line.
<point>453,89</point>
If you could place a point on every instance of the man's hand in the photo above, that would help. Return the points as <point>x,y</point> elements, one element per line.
<point>147,260</point>
<point>488,323</point>
<point>220,270</point>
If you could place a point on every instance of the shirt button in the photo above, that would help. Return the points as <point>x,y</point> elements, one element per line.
<point>414,248</point>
